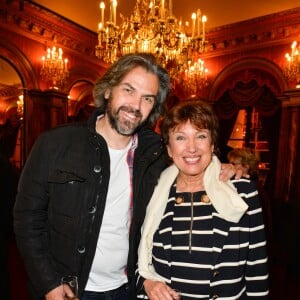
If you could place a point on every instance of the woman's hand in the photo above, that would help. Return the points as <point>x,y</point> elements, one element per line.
<point>229,170</point>
<point>157,290</point>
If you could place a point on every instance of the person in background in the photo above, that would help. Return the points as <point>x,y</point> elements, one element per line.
<point>201,238</point>
<point>244,158</point>
<point>9,175</point>
<point>6,205</point>
<point>84,189</point>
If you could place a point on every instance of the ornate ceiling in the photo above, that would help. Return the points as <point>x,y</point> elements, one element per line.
<point>87,14</point>
<point>219,12</point>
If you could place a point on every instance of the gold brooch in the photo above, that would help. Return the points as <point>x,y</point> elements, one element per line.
<point>205,199</point>
<point>179,200</point>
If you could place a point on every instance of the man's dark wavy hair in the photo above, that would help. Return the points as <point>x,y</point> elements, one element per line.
<point>115,74</point>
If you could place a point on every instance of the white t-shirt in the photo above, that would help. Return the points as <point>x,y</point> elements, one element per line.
<point>110,261</point>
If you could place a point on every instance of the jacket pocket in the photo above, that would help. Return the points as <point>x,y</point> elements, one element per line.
<point>68,192</point>
<point>60,176</point>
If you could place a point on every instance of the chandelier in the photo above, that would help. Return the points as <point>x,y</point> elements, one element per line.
<point>54,67</point>
<point>153,28</point>
<point>292,69</point>
<point>194,75</point>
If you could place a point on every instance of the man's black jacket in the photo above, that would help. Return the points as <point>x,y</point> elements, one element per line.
<point>61,199</point>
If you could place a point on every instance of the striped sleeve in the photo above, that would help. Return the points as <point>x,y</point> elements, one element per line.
<point>256,272</point>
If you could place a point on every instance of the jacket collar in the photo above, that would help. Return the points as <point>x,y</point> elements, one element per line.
<point>91,122</point>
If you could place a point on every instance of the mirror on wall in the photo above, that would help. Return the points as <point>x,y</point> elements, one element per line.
<point>11,113</point>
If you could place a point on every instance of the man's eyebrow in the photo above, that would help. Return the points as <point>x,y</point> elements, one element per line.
<point>133,88</point>
<point>128,85</point>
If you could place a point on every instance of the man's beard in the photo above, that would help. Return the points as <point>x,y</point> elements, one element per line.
<point>124,127</point>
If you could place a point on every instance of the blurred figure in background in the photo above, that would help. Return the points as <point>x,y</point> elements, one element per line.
<point>6,199</point>
<point>8,188</point>
<point>245,158</point>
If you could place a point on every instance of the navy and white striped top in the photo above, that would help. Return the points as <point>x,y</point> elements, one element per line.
<point>206,257</point>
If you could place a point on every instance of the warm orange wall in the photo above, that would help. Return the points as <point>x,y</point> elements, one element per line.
<point>252,49</point>
<point>26,34</point>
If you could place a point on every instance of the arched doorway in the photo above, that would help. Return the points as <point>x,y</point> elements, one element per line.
<point>11,113</point>
<point>18,78</point>
<point>254,85</point>
<point>80,92</point>
<point>80,102</point>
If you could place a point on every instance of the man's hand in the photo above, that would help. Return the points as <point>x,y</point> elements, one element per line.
<point>229,170</point>
<point>56,294</point>
<point>157,290</point>
<point>61,293</point>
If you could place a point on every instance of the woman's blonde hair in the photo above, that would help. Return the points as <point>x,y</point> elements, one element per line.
<point>246,157</point>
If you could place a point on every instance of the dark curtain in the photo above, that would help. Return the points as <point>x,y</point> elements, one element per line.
<point>271,124</point>
<point>249,95</point>
<point>227,112</point>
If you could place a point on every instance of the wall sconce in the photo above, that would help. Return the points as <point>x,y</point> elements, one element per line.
<point>20,107</point>
<point>292,69</point>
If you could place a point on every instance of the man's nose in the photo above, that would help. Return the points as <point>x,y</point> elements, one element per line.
<point>137,102</point>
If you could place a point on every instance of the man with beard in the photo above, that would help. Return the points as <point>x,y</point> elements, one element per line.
<point>84,189</point>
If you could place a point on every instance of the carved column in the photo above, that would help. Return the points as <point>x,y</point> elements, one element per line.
<point>42,110</point>
<point>288,171</point>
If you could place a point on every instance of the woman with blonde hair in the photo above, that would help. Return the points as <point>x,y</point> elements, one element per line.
<point>245,158</point>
